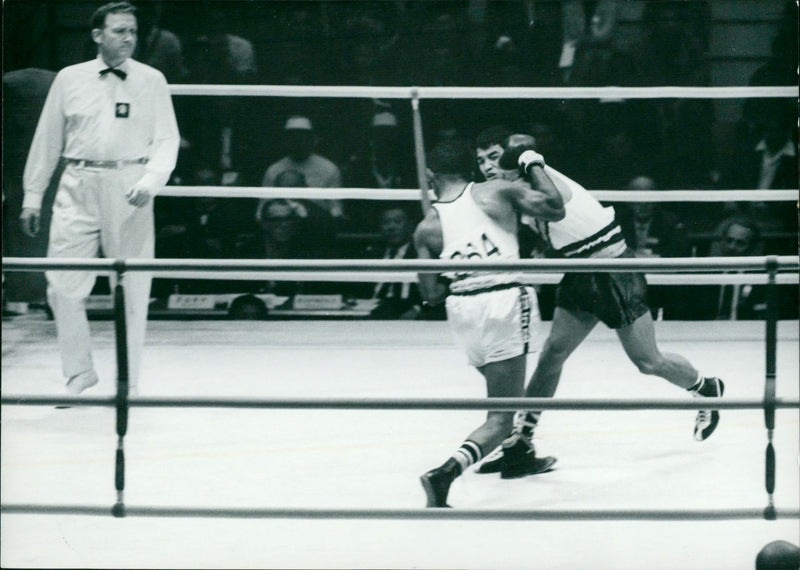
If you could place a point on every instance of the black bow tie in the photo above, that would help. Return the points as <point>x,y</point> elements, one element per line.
<point>118,72</point>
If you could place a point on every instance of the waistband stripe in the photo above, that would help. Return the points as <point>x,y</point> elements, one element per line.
<point>574,247</point>
<point>81,163</point>
<point>498,287</point>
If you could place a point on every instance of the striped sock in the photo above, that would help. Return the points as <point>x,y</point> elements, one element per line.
<point>468,454</point>
<point>698,384</point>
<point>527,423</point>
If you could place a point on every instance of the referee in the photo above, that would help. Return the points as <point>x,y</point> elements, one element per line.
<point>111,121</point>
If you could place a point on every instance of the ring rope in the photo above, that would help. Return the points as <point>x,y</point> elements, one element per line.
<point>495,404</point>
<point>411,194</point>
<point>369,92</point>
<point>533,279</point>
<point>405,514</point>
<point>671,264</point>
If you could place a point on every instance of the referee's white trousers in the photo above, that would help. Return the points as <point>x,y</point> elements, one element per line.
<point>90,215</point>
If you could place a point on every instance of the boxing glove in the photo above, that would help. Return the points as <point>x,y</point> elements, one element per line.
<point>520,154</point>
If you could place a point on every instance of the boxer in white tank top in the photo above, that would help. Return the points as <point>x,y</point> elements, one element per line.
<point>588,229</point>
<point>584,299</point>
<point>489,313</point>
<point>489,327</point>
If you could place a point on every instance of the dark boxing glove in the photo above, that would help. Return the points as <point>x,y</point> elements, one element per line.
<point>520,154</point>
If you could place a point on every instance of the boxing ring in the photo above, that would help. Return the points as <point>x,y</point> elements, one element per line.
<point>287,461</point>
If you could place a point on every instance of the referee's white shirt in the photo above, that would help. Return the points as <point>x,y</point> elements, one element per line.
<point>82,119</point>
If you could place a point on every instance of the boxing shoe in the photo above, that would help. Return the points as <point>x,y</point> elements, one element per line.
<point>519,459</point>
<point>524,425</point>
<point>492,463</point>
<point>436,483</point>
<point>80,382</point>
<point>706,420</point>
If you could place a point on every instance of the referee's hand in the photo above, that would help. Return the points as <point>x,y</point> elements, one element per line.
<point>138,196</point>
<point>29,221</point>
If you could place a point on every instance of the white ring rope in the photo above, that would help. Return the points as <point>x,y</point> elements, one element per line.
<point>539,278</point>
<point>452,404</point>
<point>412,277</point>
<point>671,264</point>
<point>405,514</point>
<point>358,91</point>
<point>413,194</point>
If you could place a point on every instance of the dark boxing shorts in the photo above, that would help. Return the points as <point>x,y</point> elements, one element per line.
<point>617,299</point>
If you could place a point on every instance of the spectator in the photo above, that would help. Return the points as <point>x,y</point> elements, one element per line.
<point>158,47</point>
<point>369,43</point>
<point>505,67</point>
<point>282,225</point>
<point>286,231</point>
<point>298,53</point>
<point>611,163</point>
<point>678,131</point>
<point>653,231</point>
<point>319,172</point>
<point>395,300</point>
<point>383,162</point>
<point>248,307</point>
<point>291,229</point>
<point>227,139</point>
<point>771,164</point>
<point>778,555</point>
<point>780,68</point>
<point>588,56</point>
<point>737,236</point>
<point>24,93</point>
<point>203,227</point>
<point>444,61</point>
<point>200,228</point>
<point>320,228</point>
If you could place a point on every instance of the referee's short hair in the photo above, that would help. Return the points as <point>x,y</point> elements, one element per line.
<point>98,20</point>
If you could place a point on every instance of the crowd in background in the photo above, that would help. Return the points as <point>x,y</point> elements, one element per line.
<point>646,144</point>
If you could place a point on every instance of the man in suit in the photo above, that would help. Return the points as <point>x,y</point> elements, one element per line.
<point>395,300</point>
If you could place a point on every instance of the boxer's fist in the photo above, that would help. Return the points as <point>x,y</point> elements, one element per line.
<point>520,154</point>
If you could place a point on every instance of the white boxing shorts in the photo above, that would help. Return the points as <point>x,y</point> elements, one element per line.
<point>496,323</point>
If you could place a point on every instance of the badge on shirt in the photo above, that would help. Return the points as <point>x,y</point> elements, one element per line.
<point>123,110</point>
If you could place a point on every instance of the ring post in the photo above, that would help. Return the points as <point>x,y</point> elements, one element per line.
<point>770,383</point>
<point>122,388</point>
<point>419,151</point>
